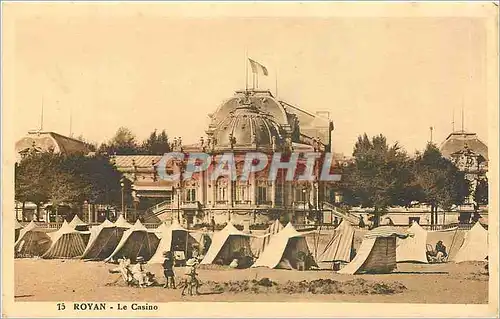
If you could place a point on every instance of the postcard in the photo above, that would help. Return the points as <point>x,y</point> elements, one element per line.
<point>249,159</point>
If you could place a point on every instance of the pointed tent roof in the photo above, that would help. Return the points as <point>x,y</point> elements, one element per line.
<point>165,244</point>
<point>65,228</point>
<point>219,239</point>
<point>17,224</point>
<point>340,245</point>
<point>273,253</point>
<point>137,227</point>
<point>76,221</point>
<point>475,246</point>
<point>106,224</point>
<point>66,243</point>
<point>413,248</point>
<point>274,228</point>
<point>121,222</point>
<point>31,226</point>
<point>95,232</point>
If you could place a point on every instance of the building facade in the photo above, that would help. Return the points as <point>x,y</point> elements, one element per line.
<point>250,121</point>
<point>470,155</point>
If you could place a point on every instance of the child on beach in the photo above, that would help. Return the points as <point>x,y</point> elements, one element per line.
<point>168,269</point>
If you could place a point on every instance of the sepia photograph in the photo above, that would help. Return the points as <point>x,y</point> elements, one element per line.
<point>251,157</point>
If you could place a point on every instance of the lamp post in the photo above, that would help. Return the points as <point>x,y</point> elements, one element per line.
<point>122,184</point>
<point>304,199</point>
<point>179,205</point>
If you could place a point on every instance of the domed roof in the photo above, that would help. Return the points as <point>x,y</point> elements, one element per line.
<point>458,141</point>
<point>248,127</point>
<point>261,100</point>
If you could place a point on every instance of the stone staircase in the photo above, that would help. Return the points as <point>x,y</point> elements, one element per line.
<point>340,213</point>
<point>152,214</point>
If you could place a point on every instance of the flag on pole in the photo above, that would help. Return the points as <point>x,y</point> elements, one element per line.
<point>257,67</point>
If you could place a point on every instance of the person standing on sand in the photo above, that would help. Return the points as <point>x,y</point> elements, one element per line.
<point>168,269</point>
<point>361,222</point>
<point>212,223</point>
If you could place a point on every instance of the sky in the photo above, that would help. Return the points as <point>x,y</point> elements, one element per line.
<point>155,69</point>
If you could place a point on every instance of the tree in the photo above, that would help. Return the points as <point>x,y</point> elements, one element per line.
<point>481,193</point>
<point>156,144</point>
<point>378,177</point>
<point>123,143</point>
<point>31,179</point>
<point>56,178</point>
<point>91,145</point>
<point>64,188</point>
<point>439,182</point>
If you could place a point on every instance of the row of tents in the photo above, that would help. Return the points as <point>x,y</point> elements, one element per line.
<point>278,247</point>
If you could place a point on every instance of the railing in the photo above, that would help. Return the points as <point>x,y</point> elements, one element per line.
<point>353,219</point>
<point>243,202</point>
<point>264,202</point>
<point>158,208</point>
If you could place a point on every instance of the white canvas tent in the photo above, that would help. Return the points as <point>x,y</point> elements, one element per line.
<point>170,237</point>
<point>104,239</point>
<point>475,246</point>
<point>452,239</point>
<point>66,243</point>
<point>413,248</point>
<point>226,244</point>
<point>377,253</point>
<point>136,241</point>
<point>283,249</point>
<point>273,229</point>
<point>340,246</point>
<point>33,241</point>
<point>122,223</point>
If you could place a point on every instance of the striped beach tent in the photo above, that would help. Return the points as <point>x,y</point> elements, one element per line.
<point>284,248</point>
<point>17,229</point>
<point>136,241</point>
<point>33,241</point>
<point>273,229</point>
<point>377,253</point>
<point>104,239</point>
<point>340,246</point>
<point>66,243</point>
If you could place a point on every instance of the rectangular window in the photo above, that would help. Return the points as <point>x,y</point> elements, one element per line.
<point>191,195</point>
<point>261,195</point>
<point>279,194</point>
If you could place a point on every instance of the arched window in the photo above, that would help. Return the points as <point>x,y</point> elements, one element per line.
<point>221,190</point>
<point>242,192</point>
<point>262,192</point>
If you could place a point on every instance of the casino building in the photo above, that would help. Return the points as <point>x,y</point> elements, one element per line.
<point>250,121</point>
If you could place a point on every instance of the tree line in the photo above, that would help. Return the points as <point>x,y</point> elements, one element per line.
<point>379,176</point>
<point>124,142</point>
<point>382,176</point>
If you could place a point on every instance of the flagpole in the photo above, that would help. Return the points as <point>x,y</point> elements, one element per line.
<point>246,70</point>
